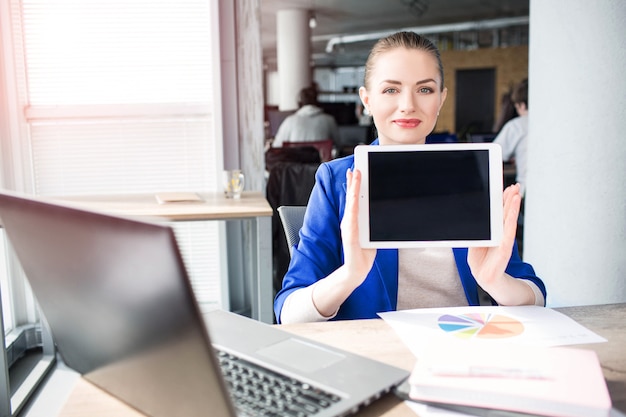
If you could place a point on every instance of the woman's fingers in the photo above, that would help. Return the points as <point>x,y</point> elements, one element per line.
<point>348,224</point>
<point>512,203</point>
<point>358,260</point>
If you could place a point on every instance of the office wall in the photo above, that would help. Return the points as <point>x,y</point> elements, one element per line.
<point>575,226</point>
<point>510,64</point>
<point>243,132</point>
<point>242,105</point>
<point>250,100</point>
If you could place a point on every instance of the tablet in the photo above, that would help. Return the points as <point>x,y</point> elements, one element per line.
<point>434,195</point>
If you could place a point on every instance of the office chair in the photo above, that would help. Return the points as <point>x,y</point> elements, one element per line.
<point>324,147</point>
<point>291,218</point>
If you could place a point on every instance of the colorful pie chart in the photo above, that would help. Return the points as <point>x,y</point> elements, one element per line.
<point>480,325</point>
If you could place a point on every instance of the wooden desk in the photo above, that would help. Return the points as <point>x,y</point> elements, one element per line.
<point>375,339</point>
<point>252,207</point>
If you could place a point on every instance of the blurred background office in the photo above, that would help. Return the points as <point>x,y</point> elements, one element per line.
<point>263,51</point>
<point>575,223</point>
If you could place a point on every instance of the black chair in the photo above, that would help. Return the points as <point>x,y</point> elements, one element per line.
<point>291,179</point>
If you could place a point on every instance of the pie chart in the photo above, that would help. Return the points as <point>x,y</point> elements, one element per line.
<point>480,325</point>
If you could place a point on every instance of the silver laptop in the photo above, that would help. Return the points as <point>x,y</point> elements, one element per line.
<point>122,312</point>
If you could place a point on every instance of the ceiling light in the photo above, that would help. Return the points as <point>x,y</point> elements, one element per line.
<point>312,21</point>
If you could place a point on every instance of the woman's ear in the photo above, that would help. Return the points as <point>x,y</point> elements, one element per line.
<point>444,94</point>
<point>364,97</point>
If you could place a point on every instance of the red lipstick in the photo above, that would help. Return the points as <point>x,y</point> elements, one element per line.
<point>407,123</point>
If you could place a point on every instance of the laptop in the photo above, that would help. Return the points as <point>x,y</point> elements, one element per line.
<point>122,312</point>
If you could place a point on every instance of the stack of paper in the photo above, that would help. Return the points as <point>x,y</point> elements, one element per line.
<point>556,381</point>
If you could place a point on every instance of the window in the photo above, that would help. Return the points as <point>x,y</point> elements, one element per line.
<point>111,97</point>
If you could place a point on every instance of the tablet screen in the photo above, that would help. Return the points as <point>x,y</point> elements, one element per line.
<point>430,196</point>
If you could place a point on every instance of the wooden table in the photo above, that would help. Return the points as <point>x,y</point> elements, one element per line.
<point>365,336</point>
<point>375,339</point>
<point>252,207</point>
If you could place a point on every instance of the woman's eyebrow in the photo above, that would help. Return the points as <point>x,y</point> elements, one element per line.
<point>425,81</point>
<point>390,82</point>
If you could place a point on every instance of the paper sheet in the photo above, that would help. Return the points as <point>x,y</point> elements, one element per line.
<point>423,410</point>
<point>527,325</point>
<point>177,197</point>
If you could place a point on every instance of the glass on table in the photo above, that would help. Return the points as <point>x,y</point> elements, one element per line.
<point>234,181</point>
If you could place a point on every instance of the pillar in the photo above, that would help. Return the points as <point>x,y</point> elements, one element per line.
<point>293,40</point>
<point>575,223</point>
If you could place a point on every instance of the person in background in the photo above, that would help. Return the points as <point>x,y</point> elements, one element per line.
<point>308,124</point>
<point>513,136</point>
<point>507,111</point>
<point>331,277</point>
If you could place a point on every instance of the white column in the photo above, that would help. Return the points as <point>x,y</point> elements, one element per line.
<point>293,40</point>
<point>575,224</point>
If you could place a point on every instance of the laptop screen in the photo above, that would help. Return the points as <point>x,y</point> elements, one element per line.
<point>119,304</point>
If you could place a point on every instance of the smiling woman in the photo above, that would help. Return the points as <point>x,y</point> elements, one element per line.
<point>408,79</point>
<point>333,276</point>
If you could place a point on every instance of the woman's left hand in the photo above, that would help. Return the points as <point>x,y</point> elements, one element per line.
<point>488,264</point>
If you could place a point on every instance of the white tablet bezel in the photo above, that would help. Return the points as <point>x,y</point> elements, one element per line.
<point>495,186</point>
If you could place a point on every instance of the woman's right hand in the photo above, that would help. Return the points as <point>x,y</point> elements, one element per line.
<point>357,260</point>
<point>329,293</point>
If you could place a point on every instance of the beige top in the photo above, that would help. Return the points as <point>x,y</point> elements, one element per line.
<point>427,277</point>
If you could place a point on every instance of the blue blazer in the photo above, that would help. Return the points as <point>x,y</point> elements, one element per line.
<point>320,252</point>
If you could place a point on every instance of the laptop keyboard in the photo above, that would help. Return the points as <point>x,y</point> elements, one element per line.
<point>257,391</point>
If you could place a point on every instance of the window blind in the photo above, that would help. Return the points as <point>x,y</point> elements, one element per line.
<point>114,52</point>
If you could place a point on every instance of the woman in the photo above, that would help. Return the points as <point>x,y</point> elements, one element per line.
<point>513,138</point>
<point>331,277</point>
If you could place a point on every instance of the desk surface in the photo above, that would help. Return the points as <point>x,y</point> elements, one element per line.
<point>215,206</point>
<point>364,337</point>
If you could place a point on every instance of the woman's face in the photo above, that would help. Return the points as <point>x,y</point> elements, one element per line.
<point>404,96</point>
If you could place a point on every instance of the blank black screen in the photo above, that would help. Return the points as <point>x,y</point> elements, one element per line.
<point>429,195</point>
